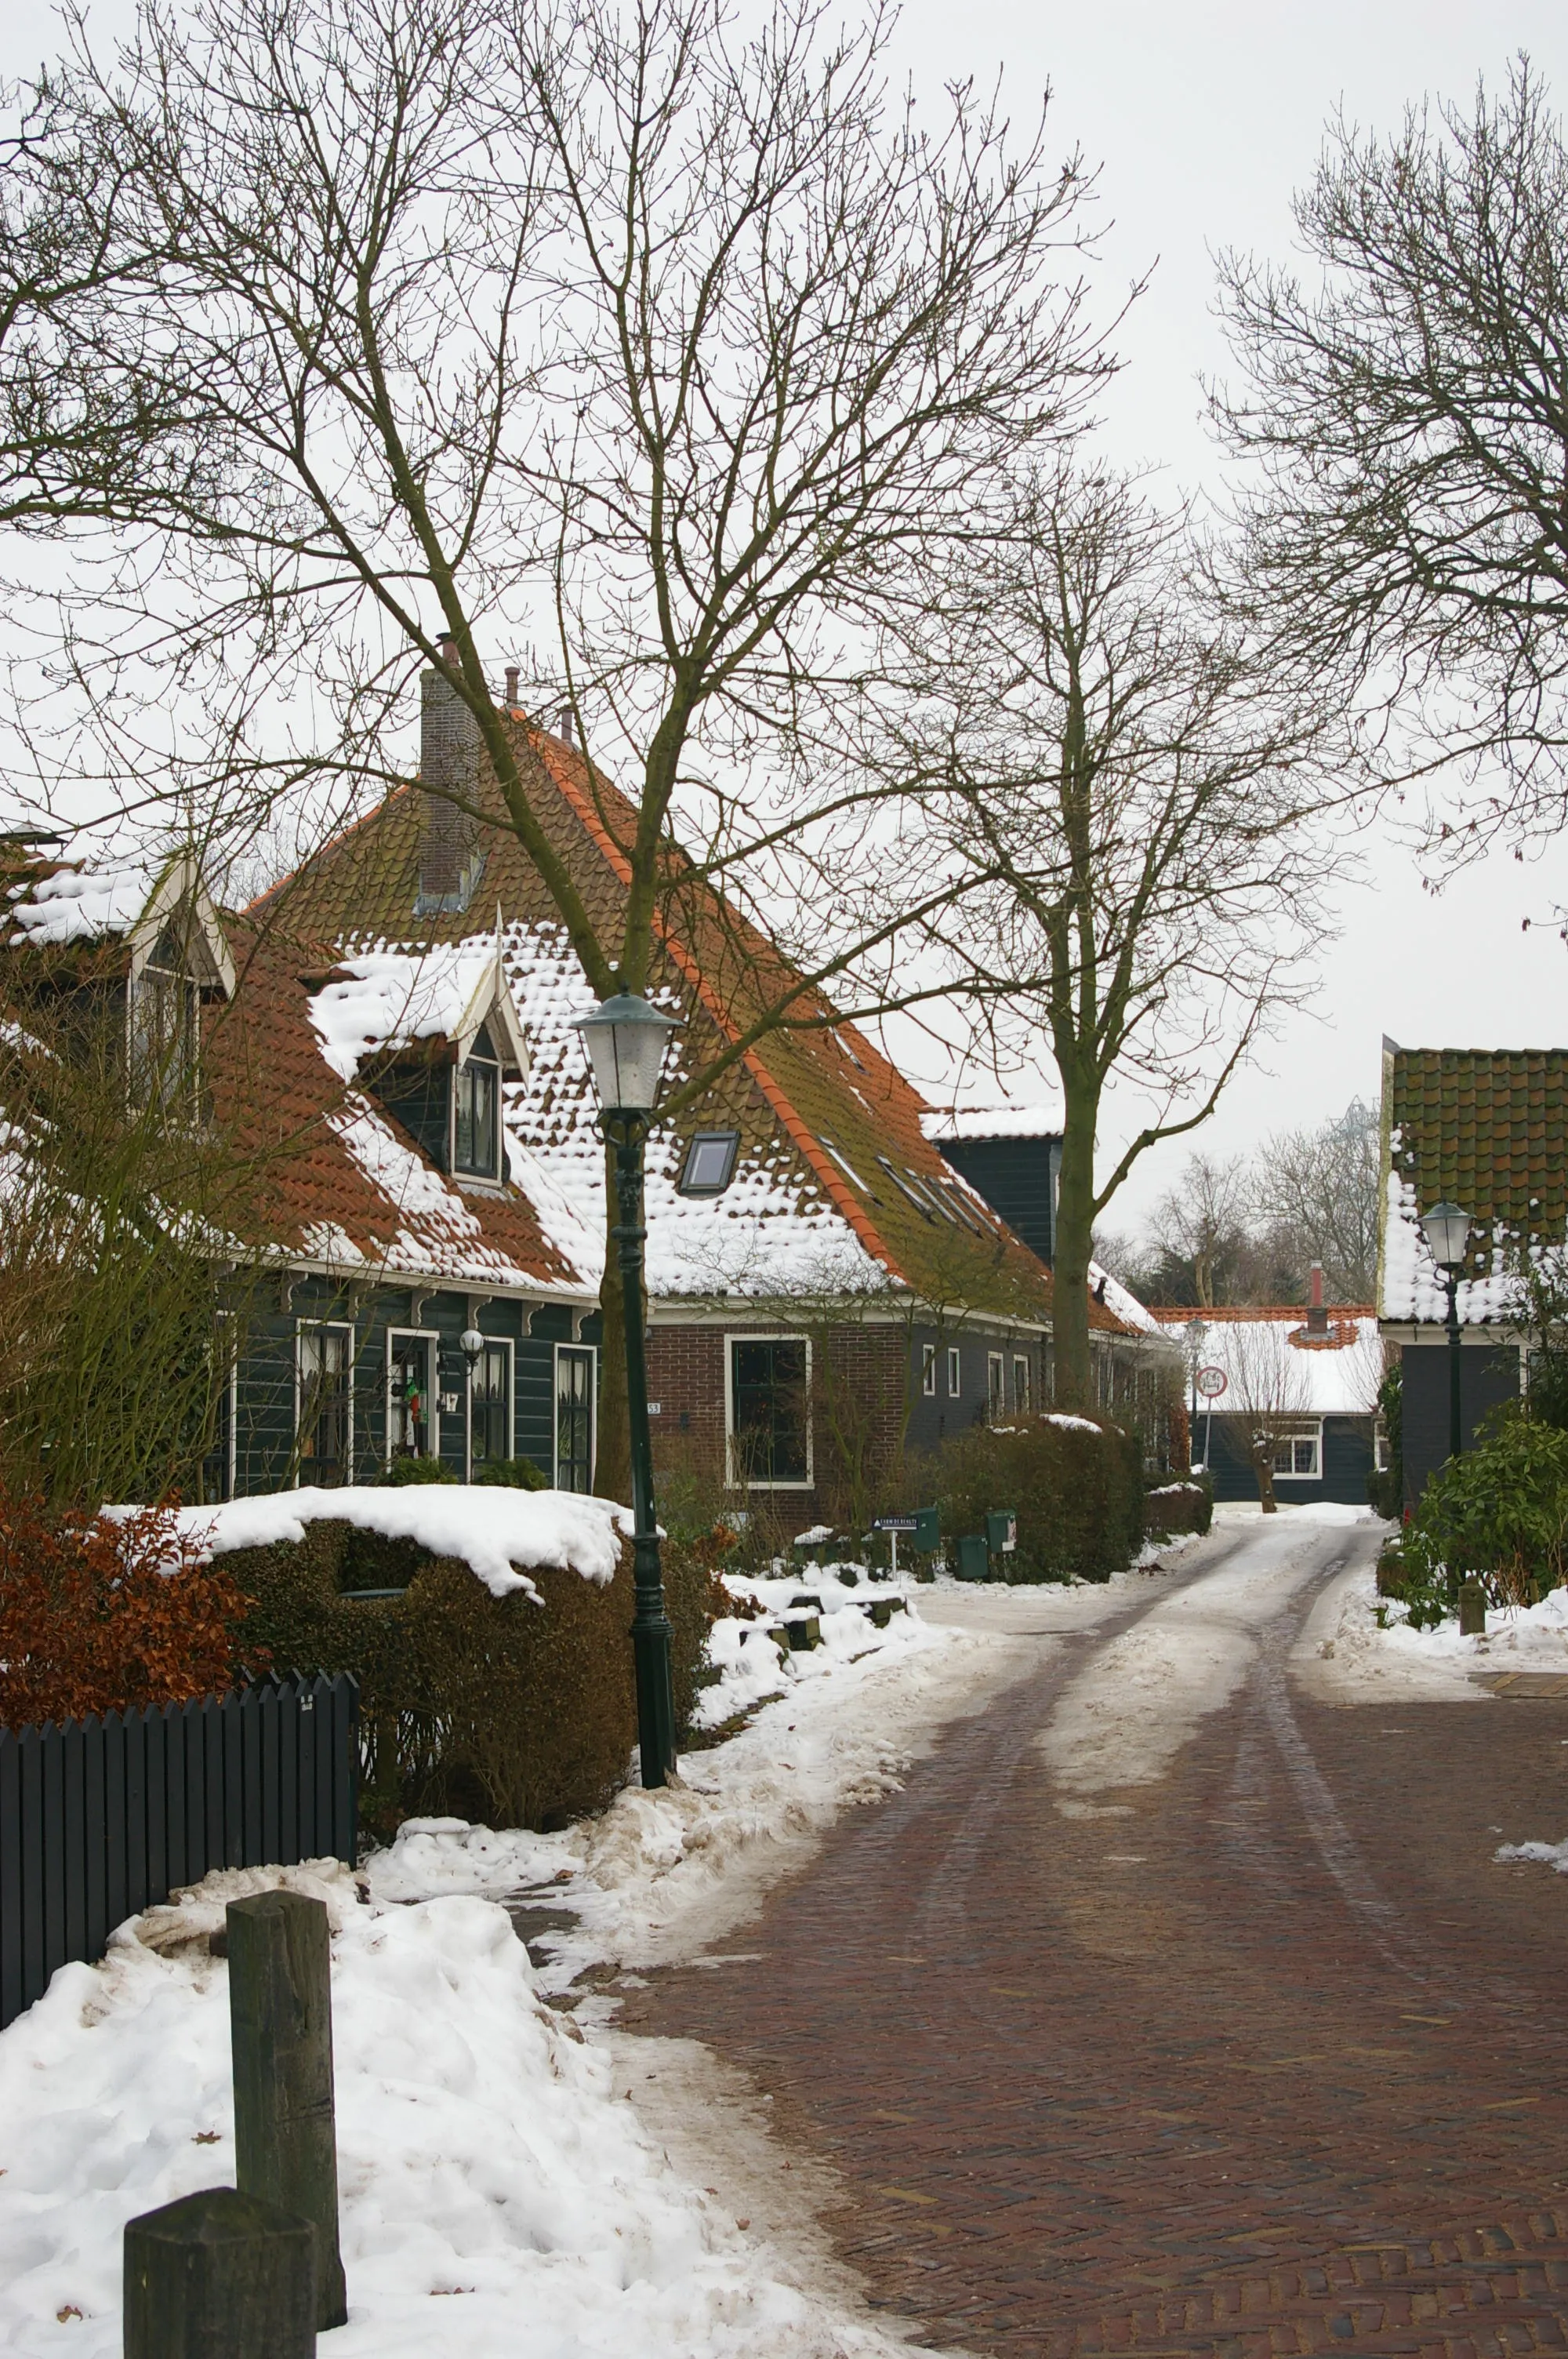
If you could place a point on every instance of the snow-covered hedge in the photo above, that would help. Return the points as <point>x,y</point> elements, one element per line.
<point>514,1707</point>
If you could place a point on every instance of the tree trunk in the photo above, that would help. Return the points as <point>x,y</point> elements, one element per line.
<point>1073,1228</point>
<point>613,1460</point>
<point>1263,1467</point>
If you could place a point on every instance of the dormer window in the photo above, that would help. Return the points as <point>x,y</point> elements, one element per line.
<point>476,1111</point>
<point>164,1026</point>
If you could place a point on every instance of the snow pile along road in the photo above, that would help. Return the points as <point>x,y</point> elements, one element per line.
<point>499,2195</point>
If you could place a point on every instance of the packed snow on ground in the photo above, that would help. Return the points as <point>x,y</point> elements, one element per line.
<point>501,2193</point>
<point>501,1532</point>
<point>1344,1653</point>
<point>1144,1695</point>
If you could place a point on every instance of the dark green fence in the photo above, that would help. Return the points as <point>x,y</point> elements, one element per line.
<point>100,1818</point>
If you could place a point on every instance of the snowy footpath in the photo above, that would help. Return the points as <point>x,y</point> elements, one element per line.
<point>516,2176</point>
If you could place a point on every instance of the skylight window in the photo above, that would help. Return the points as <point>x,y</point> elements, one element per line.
<point>709,1163</point>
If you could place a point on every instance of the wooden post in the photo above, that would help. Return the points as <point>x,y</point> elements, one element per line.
<point>280,2013</point>
<point>219,2276</point>
<point>1472,1609</point>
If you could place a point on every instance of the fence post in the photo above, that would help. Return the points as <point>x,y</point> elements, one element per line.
<point>219,2276</point>
<point>280,2015</point>
<point>1472,1609</point>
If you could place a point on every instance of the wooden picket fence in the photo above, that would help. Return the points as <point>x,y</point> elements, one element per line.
<point>102,1818</point>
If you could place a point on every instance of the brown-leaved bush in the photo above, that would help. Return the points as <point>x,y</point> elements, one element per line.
<point>100,1613</point>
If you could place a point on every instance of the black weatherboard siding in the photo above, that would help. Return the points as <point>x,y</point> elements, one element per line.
<point>1488,1377</point>
<point>1017,1177</point>
<point>1347,1462</point>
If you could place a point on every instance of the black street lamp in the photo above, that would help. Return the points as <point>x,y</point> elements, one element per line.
<point>626,1038</point>
<point>1447,1232</point>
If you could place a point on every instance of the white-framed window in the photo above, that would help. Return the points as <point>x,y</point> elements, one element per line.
<point>413,1401</point>
<point>476,1112</point>
<point>996,1384</point>
<point>767,1411</point>
<point>575,1406</point>
<point>955,1372</point>
<point>1298,1457</point>
<point>490,1404</point>
<point>1022,1389</point>
<point>164,1024</point>
<point>324,1402</point>
<point>1382,1455</point>
<point>928,1369</point>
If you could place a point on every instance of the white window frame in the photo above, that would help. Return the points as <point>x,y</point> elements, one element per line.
<point>592,1351</point>
<point>996,1383</point>
<point>1310,1430</point>
<point>495,1179</point>
<point>493,1343</point>
<point>428,1336</point>
<point>955,1373</point>
<point>1023,1392</point>
<point>764,1335</point>
<point>316,1326</point>
<point>1383,1450</point>
<point>928,1371</point>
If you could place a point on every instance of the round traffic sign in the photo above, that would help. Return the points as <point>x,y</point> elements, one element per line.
<point>1212,1382</point>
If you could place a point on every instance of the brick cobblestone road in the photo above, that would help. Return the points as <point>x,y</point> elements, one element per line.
<point>1274,2062</point>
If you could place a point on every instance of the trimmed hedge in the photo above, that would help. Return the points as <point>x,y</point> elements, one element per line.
<point>1076,1487</point>
<point>1180,1507</point>
<point>480,1707</point>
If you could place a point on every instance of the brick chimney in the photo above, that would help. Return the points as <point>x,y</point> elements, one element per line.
<point>1318,1317</point>
<point>450,861</point>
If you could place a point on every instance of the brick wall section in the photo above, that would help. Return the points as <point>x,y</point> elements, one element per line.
<point>858,1405</point>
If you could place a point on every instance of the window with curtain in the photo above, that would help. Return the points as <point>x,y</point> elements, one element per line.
<point>573,1419</point>
<point>770,1411</point>
<point>326,1404</point>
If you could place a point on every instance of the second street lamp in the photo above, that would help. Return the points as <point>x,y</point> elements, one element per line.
<point>1447,1232</point>
<point>626,1038</point>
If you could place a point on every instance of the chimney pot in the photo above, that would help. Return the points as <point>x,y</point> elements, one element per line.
<point>1318,1317</point>
<point>512,679</point>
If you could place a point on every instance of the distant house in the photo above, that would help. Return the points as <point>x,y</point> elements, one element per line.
<point>1305,1382</point>
<point>1487,1129</point>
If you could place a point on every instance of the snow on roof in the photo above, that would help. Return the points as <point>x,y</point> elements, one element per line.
<point>388,999</point>
<point>1266,1368</point>
<point>993,1122</point>
<point>82,904</point>
<point>501,1533</point>
<point>772,1232</point>
<point>1123,1301</point>
<point>1413,1287</point>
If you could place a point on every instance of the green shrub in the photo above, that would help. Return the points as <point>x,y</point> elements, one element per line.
<point>401,1471</point>
<point>1386,1492</point>
<point>486,1708</point>
<point>516,1473</point>
<point>1500,1511</point>
<point>1075,1483</point>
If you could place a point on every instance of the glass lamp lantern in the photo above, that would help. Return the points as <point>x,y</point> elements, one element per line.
<point>626,1039</point>
<point>472,1343</point>
<point>1447,1231</point>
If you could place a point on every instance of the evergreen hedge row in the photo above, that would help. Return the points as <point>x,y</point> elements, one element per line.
<point>1075,1483</point>
<point>493,1709</point>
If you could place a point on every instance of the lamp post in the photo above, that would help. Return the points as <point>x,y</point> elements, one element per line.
<point>1447,1231</point>
<point>472,1343</point>
<point>1193,1335</point>
<point>625,1038</point>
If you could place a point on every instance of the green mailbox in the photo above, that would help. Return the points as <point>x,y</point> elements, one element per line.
<point>927,1530</point>
<point>1001,1532</point>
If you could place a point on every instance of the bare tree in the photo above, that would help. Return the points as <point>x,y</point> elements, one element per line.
<point>1201,1224</point>
<point>1271,1380</point>
<point>1406,418</point>
<point>670,345</point>
<point>1124,767</point>
<point>1317,1192</point>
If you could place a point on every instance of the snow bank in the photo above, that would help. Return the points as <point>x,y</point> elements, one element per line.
<point>489,1527</point>
<point>497,2193</point>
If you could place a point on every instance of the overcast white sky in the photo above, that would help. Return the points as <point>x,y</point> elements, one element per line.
<point>1203,119</point>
